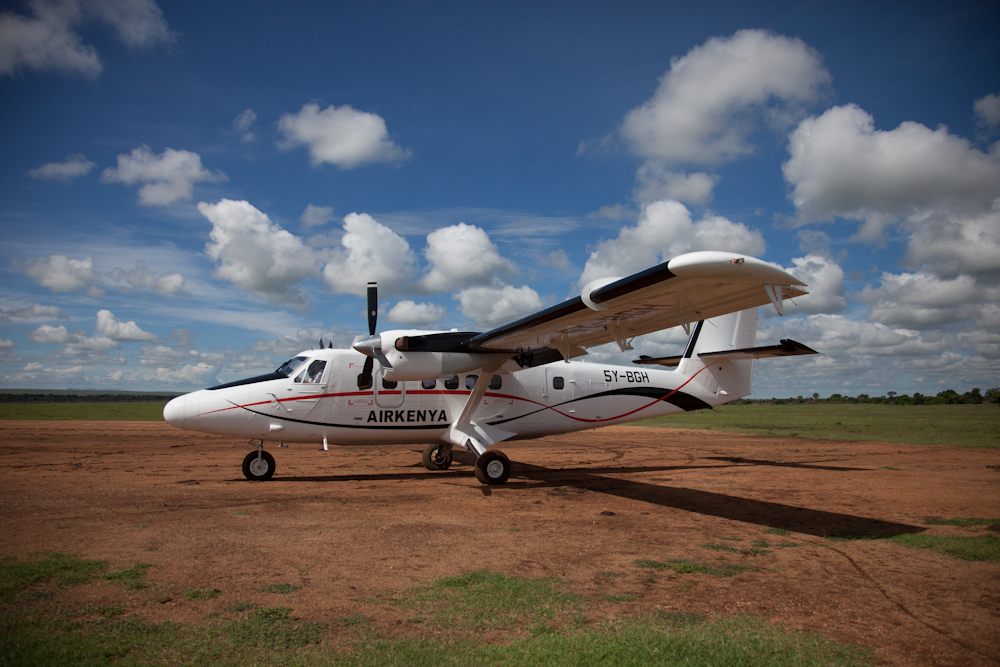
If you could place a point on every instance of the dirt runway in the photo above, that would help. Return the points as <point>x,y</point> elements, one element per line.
<point>355,522</point>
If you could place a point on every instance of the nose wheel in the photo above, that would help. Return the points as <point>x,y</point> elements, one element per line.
<point>437,457</point>
<point>258,466</point>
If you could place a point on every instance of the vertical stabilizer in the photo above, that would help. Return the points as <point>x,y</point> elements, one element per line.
<point>727,379</point>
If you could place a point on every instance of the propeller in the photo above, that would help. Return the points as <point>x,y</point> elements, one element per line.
<point>371,346</point>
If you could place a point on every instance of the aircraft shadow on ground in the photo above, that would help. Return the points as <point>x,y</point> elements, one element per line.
<point>819,523</point>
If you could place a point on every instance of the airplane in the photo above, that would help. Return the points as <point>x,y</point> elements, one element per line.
<point>472,390</point>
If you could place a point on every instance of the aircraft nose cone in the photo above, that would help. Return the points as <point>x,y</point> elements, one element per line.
<point>173,412</point>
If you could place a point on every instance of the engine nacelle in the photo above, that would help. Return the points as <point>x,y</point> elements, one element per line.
<point>423,355</point>
<point>430,365</point>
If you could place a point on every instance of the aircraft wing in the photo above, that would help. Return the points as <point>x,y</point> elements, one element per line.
<point>688,288</point>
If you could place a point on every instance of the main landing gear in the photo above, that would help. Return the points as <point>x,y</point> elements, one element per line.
<point>258,465</point>
<point>492,467</point>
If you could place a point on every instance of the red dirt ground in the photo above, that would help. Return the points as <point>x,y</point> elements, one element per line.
<point>354,522</point>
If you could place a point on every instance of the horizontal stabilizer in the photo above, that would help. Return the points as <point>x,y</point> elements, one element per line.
<point>787,348</point>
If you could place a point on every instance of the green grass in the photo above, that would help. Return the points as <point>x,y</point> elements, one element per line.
<point>484,600</point>
<point>59,571</point>
<point>200,593</point>
<point>978,548</point>
<point>281,589</point>
<point>534,622</point>
<point>683,566</point>
<point>961,425</point>
<point>132,411</point>
<point>974,548</point>
<point>964,522</point>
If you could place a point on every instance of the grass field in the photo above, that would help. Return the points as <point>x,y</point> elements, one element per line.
<point>961,425</point>
<point>542,625</point>
<point>133,411</point>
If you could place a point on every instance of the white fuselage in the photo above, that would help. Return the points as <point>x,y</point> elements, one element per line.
<point>533,402</point>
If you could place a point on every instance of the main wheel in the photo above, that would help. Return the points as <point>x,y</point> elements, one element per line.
<point>493,467</point>
<point>258,468</point>
<point>435,458</point>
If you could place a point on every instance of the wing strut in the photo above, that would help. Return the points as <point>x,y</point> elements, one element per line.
<point>471,435</point>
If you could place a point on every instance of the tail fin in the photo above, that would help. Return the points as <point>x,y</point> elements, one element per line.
<point>726,378</point>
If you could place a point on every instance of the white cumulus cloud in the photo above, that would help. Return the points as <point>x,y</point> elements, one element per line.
<point>314,216</point>
<point>415,314</point>
<point>370,251</point>
<point>954,243</point>
<point>664,230</point>
<point>48,39</point>
<point>839,336</point>
<point>492,305</point>
<point>342,136</point>
<point>840,165</point>
<point>110,326</point>
<point>34,312</point>
<point>62,274</point>
<point>935,186</point>
<point>460,256</point>
<point>825,280</point>
<point>75,342</point>
<point>198,375</point>
<point>244,124</point>
<point>256,254</point>
<point>140,279</point>
<point>987,110</point>
<point>167,177</point>
<point>704,108</point>
<point>74,167</point>
<point>923,300</point>
<point>653,182</point>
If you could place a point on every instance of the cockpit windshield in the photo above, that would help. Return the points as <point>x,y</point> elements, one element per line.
<point>289,367</point>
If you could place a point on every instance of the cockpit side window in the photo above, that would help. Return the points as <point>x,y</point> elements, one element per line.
<point>313,374</point>
<point>289,367</point>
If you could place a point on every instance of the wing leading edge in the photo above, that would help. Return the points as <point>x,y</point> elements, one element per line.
<point>686,289</point>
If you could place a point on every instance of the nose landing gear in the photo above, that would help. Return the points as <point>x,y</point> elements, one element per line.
<point>259,465</point>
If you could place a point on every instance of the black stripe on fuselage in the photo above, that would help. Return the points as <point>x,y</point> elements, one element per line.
<point>683,401</point>
<point>394,427</point>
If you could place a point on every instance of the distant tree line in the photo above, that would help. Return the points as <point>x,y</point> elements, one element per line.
<point>946,397</point>
<point>86,398</point>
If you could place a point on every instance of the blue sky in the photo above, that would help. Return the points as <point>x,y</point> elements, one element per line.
<point>191,193</point>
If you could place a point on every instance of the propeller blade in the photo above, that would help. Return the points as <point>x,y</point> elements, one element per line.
<point>377,351</point>
<point>365,377</point>
<point>372,307</point>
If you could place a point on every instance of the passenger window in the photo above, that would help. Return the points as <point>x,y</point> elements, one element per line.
<point>452,383</point>
<point>428,384</point>
<point>496,382</point>
<point>558,382</point>
<point>388,384</point>
<point>470,381</point>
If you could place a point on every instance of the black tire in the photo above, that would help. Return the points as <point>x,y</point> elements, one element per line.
<point>258,471</point>
<point>493,467</point>
<point>434,460</point>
